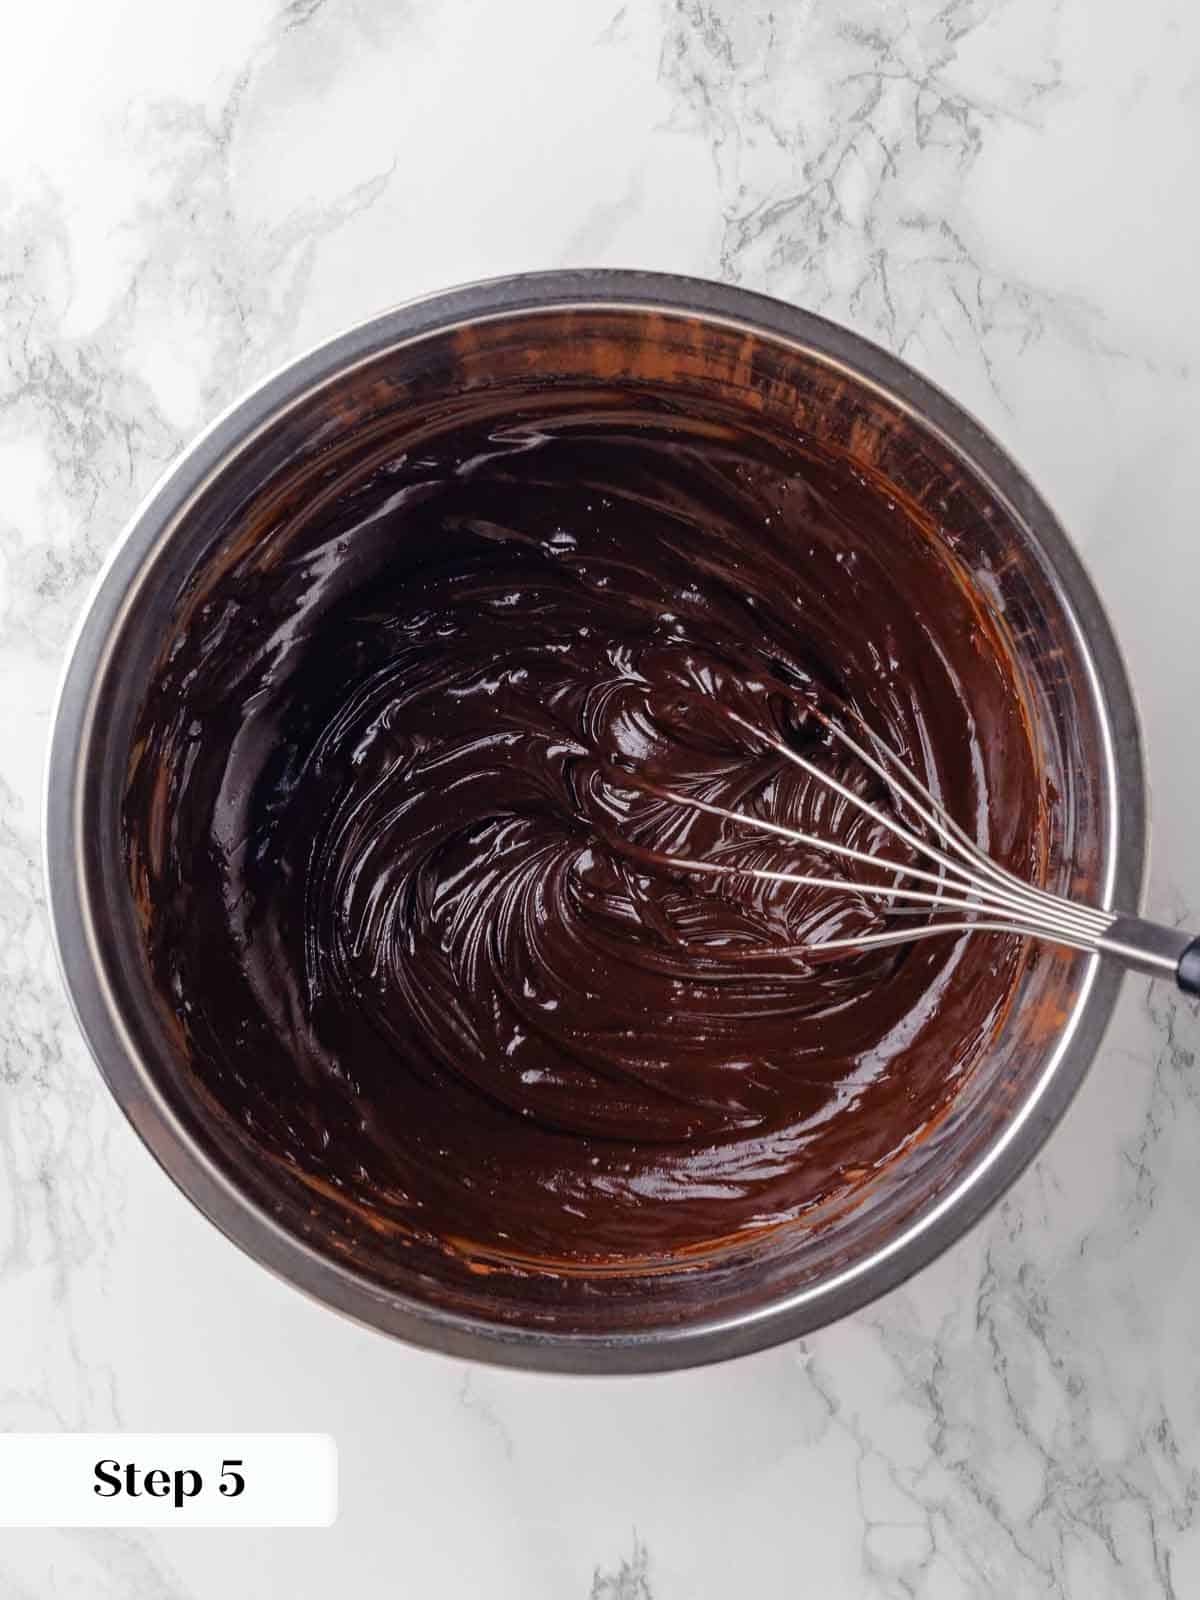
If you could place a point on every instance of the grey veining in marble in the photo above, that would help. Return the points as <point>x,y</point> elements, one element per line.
<point>630,1580</point>
<point>1003,191</point>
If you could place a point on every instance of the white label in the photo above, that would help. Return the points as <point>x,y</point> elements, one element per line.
<point>168,1480</point>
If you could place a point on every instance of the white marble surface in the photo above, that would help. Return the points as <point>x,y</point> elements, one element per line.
<point>1005,192</point>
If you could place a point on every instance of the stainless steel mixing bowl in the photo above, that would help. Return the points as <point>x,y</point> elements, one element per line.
<point>793,370</point>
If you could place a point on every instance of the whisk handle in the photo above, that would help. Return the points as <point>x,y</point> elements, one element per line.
<point>1154,948</point>
<point>1187,973</point>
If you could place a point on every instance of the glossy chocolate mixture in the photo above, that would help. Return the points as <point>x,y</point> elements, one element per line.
<point>395,825</point>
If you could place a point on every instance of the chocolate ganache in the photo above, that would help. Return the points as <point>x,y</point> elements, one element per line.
<point>396,827</point>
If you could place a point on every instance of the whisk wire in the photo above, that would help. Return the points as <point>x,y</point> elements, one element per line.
<point>1030,921</point>
<point>901,781</point>
<point>970,893</point>
<point>998,901</point>
<point>1006,892</point>
<point>963,877</point>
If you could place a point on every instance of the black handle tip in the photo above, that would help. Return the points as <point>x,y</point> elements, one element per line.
<point>1187,973</point>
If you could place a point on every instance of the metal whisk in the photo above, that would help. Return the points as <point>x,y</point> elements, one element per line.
<point>967,892</point>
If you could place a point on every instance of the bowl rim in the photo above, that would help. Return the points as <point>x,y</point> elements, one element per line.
<point>131,1082</point>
